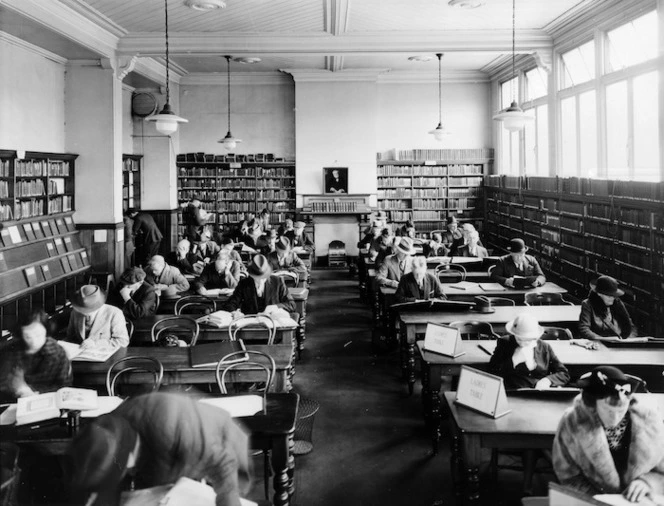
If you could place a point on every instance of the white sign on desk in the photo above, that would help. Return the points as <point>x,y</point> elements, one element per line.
<point>482,392</point>
<point>443,339</point>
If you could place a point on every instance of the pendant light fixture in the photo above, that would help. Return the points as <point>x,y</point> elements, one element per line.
<point>439,132</point>
<point>513,118</point>
<point>166,122</point>
<point>229,141</point>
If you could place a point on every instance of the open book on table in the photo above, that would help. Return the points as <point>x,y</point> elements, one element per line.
<point>78,353</point>
<point>36,408</point>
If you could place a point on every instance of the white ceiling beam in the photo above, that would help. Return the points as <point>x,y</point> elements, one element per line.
<point>334,63</point>
<point>354,75</point>
<point>336,14</point>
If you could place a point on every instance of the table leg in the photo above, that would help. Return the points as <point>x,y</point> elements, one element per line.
<point>456,466</point>
<point>376,308</point>
<point>435,415</point>
<point>279,460</point>
<point>410,350</point>
<point>302,335</point>
<point>472,458</point>
<point>291,466</point>
<point>404,354</point>
<point>426,404</point>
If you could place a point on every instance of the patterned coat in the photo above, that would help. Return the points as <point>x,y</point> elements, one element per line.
<point>108,327</point>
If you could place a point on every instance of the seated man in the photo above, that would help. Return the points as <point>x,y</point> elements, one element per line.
<point>518,266</point>
<point>133,295</point>
<point>250,238</point>
<point>182,258</point>
<point>156,439</point>
<point>267,243</point>
<point>223,273</point>
<point>384,244</point>
<point>452,235</point>
<point>371,235</point>
<point>206,250</point>
<point>32,362</point>
<point>396,265</point>
<point>473,247</point>
<point>228,244</point>
<point>418,284</point>
<point>286,227</point>
<point>161,275</point>
<point>283,259</point>
<point>94,323</point>
<point>261,292</point>
<point>435,247</point>
<point>299,238</point>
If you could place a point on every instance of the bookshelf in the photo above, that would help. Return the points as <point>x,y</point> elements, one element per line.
<point>230,185</point>
<point>131,181</point>
<point>581,228</point>
<point>426,186</point>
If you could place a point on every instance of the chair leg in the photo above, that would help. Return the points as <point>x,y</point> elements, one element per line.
<point>529,462</point>
<point>493,466</point>
<point>266,474</point>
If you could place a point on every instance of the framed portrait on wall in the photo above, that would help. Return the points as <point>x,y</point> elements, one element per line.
<point>335,180</point>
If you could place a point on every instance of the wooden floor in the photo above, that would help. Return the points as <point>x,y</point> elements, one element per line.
<point>370,443</point>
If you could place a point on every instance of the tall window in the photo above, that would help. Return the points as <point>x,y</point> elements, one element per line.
<point>537,142</point>
<point>578,65</point>
<point>536,83</point>
<point>509,141</point>
<point>632,43</point>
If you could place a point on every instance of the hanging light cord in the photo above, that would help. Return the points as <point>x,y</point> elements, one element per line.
<point>228,75</point>
<point>513,46</point>
<point>168,90</point>
<point>440,92</point>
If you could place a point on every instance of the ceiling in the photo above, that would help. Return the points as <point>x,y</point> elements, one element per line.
<point>314,35</point>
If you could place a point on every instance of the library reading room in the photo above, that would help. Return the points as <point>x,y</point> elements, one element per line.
<point>332,252</point>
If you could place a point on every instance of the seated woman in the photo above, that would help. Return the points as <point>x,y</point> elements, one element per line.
<point>32,362</point>
<point>525,361</point>
<point>603,315</point>
<point>473,247</point>
<point>223,273</point>
<point>93,323</point>
<point>418,284</point>
<point>435,247</point>
<point>609,442</point>
<point>133,295</point>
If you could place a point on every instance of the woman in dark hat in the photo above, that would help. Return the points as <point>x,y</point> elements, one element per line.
<point>609,442</point>
<point>603,315</point>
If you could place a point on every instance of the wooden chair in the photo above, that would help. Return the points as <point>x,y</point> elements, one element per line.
<point>556,334</point>
<point>490,270</point>
<point>11,473</point>
<point>473,330</point>
<point>501,301</point>
<point>291,279</point>
<point>195,304</point>
<point>130,329</point>
<point>105,280</point>
<point>253,322</point>
<point>450,273</point>
<point>184,328</point>
<point>266,362</point>
<point>133,365</point>
<point>545,299</point>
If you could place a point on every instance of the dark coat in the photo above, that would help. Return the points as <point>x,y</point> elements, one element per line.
<point>146,229</point>
<point>246,299</point>
<point>547,365</point>
<point>595,319</point>
<point>582,459</point>
<point>432,249</point>
<point>183,437</point>
<point>505,268</point>
<point>303,240</point>
<point>409,291</point>
<point>143,302</point>
<point>211,279</point>
<point>291,263</point>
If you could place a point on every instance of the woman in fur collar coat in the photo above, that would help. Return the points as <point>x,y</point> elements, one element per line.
<point>608,442</point>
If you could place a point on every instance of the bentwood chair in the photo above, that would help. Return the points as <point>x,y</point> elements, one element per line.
<point>130,329</point>
<point>184,328</point>
<point>195,304</point>
<point>556,334</point>
<point>450,273</point>
<point>257,359</point>
<point>132,365</point>
<point>546,299</point>
<point>254,322</point>
<point>290,278</point>
<point>501,301</point>
<point>473,330</point>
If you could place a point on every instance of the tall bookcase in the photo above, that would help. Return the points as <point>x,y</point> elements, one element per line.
<point>228,188</point>
<point>581,228</point>
<point>131,181</point>
<point>426,191</point>
<point>41,257</point>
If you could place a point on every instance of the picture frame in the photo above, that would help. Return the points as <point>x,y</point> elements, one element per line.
<point>335,180</point>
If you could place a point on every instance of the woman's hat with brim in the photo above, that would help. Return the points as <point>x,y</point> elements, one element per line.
<point>517,246</point>
<point>259,267</point>
<point>524,326</point>
<point>606,380</point>
<point>88,299</point>
<point>606,285</point>
<point>405,245</point>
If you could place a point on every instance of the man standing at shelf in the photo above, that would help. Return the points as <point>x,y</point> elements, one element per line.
<point>335,182</point>
<point>516,269</point>
<point>148,236</point>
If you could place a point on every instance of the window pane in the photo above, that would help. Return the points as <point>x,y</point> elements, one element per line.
<point>617,131</point>
<point>530,136</point>
<point>579,65</point>
<point>543,140</point>
<point>588,134</point>
<point>505,155</point>
<point>633,43</point>
<point>508,92</point>
<point>568,136</point>
<point>536,83</point>
<point>514,148</point>
<point>646,128</point>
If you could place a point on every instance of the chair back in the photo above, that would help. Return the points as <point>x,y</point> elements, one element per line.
<point>254,322</point>
<point>639,385</point>
<point>195,304</point>
<point>290,278</point>
<point>130,328</point>
<point>184,327</point>
<point>473,330</point>
<point>556,334</point>
<point>545,299</point>
<point>450,273</point>
<point>490,270</point>
<point>501,301</point>
<point>256,359</point>
<point>133,365</point>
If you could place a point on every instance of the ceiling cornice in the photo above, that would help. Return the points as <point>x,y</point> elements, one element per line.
<point>67,23</point>
<point>201,44</point>
<point>82,8</point>
<point>354,75</point>
<point>15,41</point>
<point>335,16</point>
<point>448,77</point>
<point>237,78</point>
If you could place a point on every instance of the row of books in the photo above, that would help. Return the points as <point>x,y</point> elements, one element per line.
<point>56,186</point>
<point>61,204</point>
<point>197,183</point>
<point>230,157</point>
<point>41,168</point>
<point>30,208</point>
<point>461,203</point>
<point>6,212</point>
<point>428,215</point>
<point>225,206</point>
<point>428,204</point>
<point>129,192</point>
<point>393,204</point>
<point>334,207</point>
<point>199,194</point>
<point>30,188</point>
<point>4,189</point>
<point>426,181</point>
<point>238,194</point>
<point>464,192</point>
<point>407,170</point>
<point>130,165</point>
<point>435,154</point>
<point>461,170</point>
<point>398,193</point>
<point>467,181</point>
<point>394,181</point>
<point>274,183</point>
<point>17,234</point>
<point>4,168</point>
<point>275,194</point>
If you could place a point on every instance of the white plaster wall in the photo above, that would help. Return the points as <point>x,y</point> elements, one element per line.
<point>408,111</point>
<point>262,115</point>
<point>32,105</point>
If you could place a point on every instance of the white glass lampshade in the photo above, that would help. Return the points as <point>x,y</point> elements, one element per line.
<point>439,133</point>
<point>513,118</point>
<point>166,122</point>
<point>229,141</point>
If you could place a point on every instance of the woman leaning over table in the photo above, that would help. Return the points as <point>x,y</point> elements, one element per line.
<point>609,442</point>
<point>32,362</point>
<point>603,315</point>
